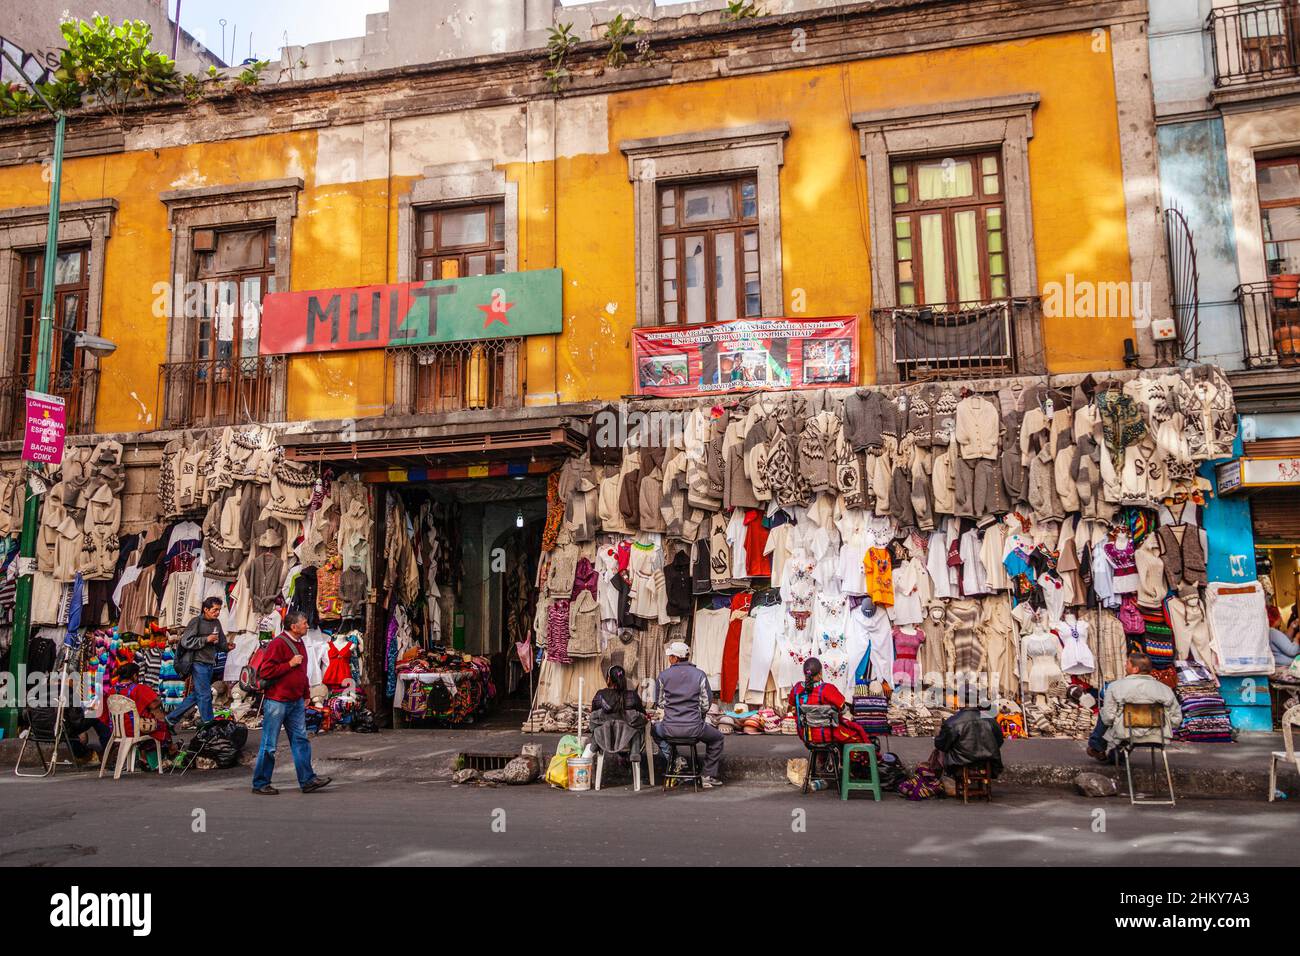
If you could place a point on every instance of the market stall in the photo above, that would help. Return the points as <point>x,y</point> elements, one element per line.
<point>1005,542</point>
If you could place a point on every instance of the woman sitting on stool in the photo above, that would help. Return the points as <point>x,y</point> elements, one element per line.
<point>811,691</point>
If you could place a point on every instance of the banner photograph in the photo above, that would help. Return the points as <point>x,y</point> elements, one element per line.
<point>745,355</point>
<point>412,313</point>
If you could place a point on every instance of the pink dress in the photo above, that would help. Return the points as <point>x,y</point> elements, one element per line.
<point>906,645</point>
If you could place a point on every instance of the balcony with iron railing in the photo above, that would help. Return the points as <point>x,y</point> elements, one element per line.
<point>1255,42</point>
<point>77,389</point>
<point>1270,322</point>
<point>215,392</point>
<point>450,377</point>
<point>959,340</point>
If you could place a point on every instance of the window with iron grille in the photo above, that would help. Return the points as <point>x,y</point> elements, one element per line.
<point>949,230</point>
<point>71,293</point>
<point>225,379</point>
<point>709,251</point>
<point>69,375</point>
<point>453,241</point>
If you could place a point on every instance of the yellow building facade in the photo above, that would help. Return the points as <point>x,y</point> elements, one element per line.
<point>568,167</point>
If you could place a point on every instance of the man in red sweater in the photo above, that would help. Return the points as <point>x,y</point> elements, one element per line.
<point>285,666</point>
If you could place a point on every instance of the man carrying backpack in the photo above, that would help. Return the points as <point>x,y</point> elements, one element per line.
<point>282,665</point>
<point>196,657</point>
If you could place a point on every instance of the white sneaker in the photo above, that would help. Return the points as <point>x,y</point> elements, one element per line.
<point>710,782</point>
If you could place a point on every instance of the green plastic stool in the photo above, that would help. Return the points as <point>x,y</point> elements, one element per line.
<point>846,773</point>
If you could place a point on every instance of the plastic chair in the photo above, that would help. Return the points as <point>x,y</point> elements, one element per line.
<point>119,706</point>
<point>1146,717</point>
<point>1290,719</point>
<point>39,735</point>
<point>648,751</point>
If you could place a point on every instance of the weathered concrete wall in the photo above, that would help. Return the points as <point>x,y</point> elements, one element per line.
<point>1194,176</point>
<point>1182,58</point>
<point>33,25</point>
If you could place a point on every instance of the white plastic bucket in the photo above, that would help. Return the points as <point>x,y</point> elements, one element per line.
<point>580,773</point>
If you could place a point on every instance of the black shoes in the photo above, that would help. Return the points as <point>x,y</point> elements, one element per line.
<point>316,783</point>
<point>267,791</point>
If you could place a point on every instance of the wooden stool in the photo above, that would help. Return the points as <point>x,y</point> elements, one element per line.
<point>846,774</point>
<point>975,780</point>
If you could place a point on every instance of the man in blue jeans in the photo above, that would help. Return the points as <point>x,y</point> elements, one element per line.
<point>202,638</point>
<point>285,666</point>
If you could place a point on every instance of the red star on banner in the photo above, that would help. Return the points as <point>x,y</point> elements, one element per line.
<point>496,311</point>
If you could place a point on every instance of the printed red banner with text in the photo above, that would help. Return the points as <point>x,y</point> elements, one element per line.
<point>746,355</point>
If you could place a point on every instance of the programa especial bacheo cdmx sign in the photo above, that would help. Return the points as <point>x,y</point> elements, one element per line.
<point>507,305</point>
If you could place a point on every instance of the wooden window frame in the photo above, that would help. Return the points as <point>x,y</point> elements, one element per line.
<point>1293,202</point>
<point>30,289</point>
<point>265,273</point>
<point>736,226</point>
<point>979,202</point>
<point>440,254</point>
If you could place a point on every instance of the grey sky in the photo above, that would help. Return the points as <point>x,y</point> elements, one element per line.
<point>305,21</point>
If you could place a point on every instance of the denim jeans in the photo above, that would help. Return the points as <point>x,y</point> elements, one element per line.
<point>201,695</point>
<point>293,715</point>
<point>1097,740</point>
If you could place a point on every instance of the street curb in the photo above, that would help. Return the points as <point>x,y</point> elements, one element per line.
<point>771,770</point>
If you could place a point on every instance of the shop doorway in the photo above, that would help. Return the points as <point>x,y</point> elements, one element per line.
<point>461,577</point>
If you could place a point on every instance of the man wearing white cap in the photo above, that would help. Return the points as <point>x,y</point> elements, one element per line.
<point>683,692</point>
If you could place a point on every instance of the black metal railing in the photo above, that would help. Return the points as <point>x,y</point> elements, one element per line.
<point>1254,41</point>
<point>208,392</point>
<point>999,337</point>
<point>453,376</point>
<point>77,389</point>
<point>1270,321</point>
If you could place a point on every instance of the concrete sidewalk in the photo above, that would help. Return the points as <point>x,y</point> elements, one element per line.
<point>1211,770</point>
<point>1238,769</point>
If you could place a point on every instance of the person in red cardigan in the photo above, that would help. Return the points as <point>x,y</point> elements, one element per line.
<point>285,665</point>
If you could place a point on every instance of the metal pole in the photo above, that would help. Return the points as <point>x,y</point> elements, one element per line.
<point>176,36</point>
<point>32,506</point>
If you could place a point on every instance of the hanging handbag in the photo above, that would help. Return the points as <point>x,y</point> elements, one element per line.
<point>1130,618</point>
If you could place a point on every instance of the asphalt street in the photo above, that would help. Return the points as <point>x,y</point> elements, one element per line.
<point>212,820</point>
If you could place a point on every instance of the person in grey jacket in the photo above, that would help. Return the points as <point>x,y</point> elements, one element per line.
<point>682,690</point>
<point>201,640</point>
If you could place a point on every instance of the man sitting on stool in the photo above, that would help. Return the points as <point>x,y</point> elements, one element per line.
<point>1137,687</point>
<point>968,738</point>
<point>683,692</point>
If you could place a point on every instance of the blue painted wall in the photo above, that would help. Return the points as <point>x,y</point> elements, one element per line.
<point>1227,529</point>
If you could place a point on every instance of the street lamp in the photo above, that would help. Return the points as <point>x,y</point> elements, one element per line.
<point>45,336</point>
<point>96,345</point>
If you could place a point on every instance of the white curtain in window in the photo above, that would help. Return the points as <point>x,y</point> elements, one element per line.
<point>932,258</point>
<point>968,257</point>
<point>945,180</point>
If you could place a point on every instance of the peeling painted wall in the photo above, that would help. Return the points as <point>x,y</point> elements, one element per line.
<point>576,206</point>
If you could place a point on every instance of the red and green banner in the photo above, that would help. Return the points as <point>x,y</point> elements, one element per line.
<point>412,313</point>
<point>746,355</point>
